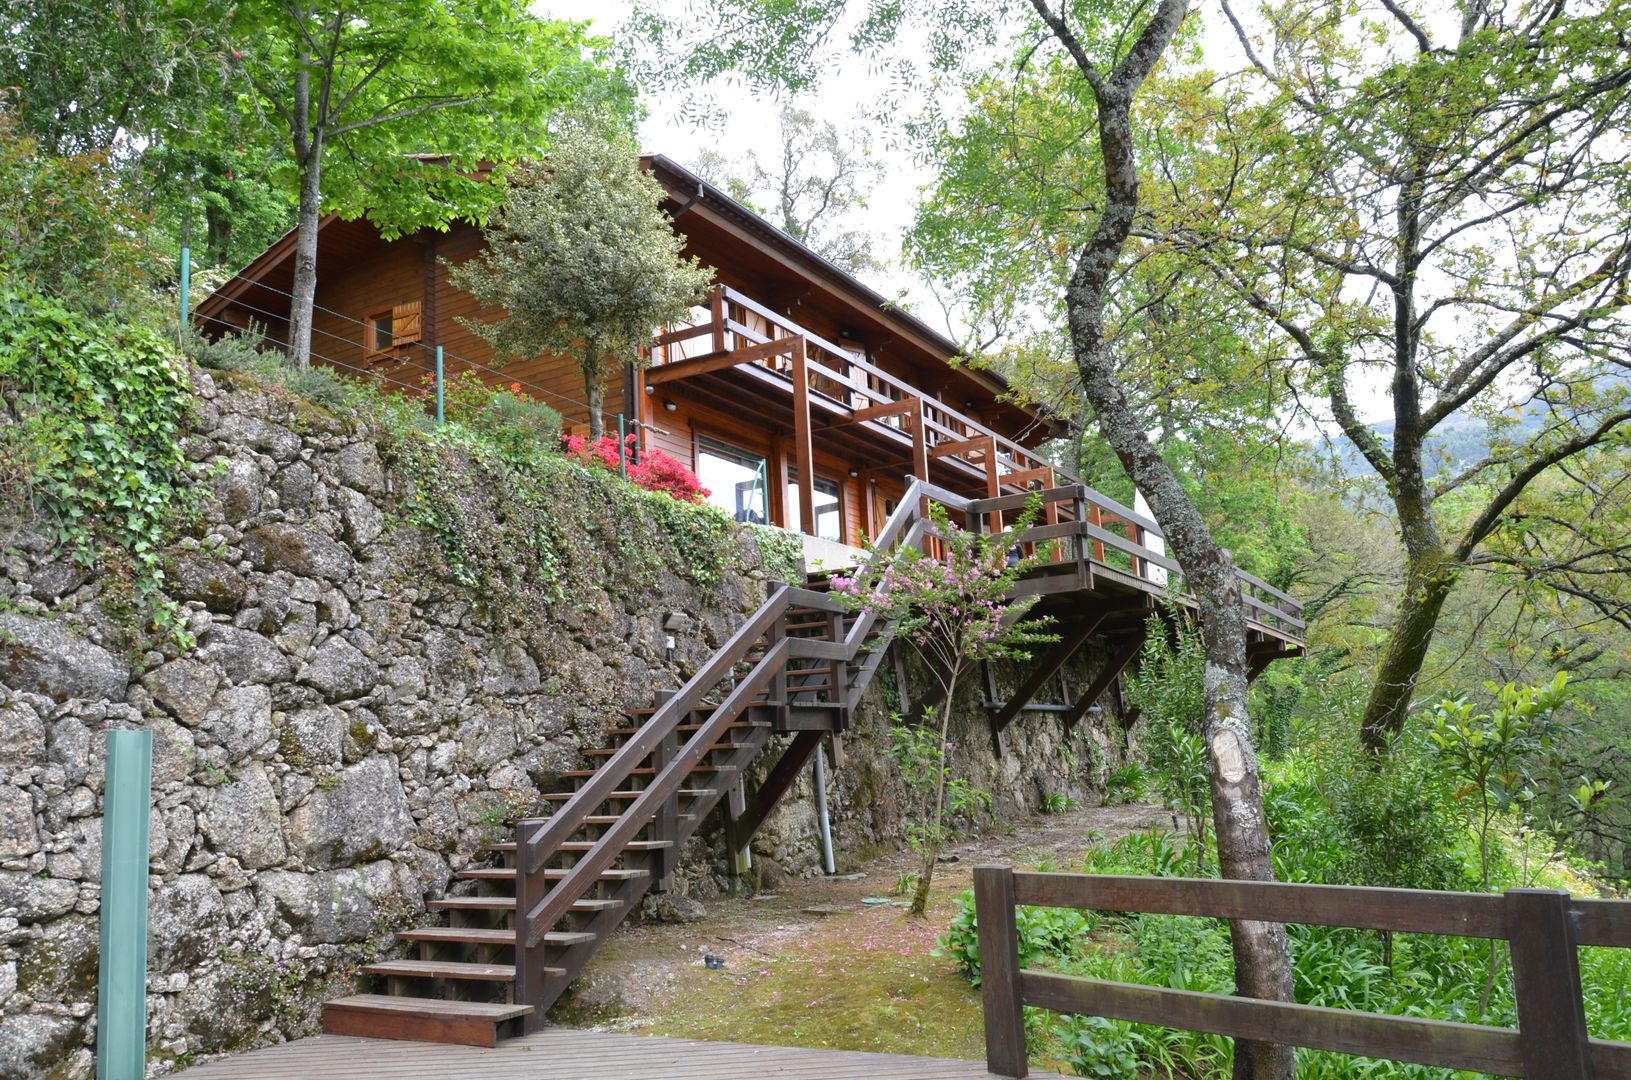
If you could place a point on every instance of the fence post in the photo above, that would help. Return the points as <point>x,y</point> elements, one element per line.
<point>440,418</point>
<point>999,970</point>
<point>1546,980</point>
<point>186,288</point>
<point>121,981</point>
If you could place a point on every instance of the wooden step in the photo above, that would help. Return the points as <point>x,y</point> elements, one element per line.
<point>584,774</point>
<point>608,751</point>
<point>505,873</point>
<point>687,728</point>
<point>384,1016</point>
<point>683,793</point>
<point>445,969</point>
<point>507,904</point>
<point>632,845</point>
<point>469,936</point>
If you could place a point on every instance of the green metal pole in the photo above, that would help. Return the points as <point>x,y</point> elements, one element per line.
<point>186,286</point>
<point>439,417</point>
<point>121,984</point>
<point>622,448</point>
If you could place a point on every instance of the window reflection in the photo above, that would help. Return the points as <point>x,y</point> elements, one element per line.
<point>737,480</point>
<point>829,516</point>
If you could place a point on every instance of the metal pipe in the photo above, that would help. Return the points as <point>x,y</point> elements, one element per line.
<point>440,418</point>
<point>121,995</point>
<point>186,287</point>
<point>821,812</point>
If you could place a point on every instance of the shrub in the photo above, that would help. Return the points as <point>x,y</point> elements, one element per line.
<point>98,409</point>
<point>521,423</point>
<point>650,469</point>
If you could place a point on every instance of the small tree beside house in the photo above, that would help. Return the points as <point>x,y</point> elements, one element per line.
<point>582,259</point>
<point>953,609</point>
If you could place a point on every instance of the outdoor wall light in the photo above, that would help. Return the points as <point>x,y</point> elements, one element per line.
<point>669,405</point>
<point>855,472</point>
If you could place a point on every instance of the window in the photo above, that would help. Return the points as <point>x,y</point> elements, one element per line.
<point>397,325</point>
<point>737,480</point>
<point>829,514</point>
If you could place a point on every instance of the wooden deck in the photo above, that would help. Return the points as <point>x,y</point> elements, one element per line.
<point>570,1054</point>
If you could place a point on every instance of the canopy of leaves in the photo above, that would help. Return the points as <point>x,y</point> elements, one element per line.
<point>411,99</point>
<point>580,255</point>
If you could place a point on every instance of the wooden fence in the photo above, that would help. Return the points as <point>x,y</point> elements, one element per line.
<point>1544,927</point>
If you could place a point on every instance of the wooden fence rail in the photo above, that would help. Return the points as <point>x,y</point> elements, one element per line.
<point>1545,927</point>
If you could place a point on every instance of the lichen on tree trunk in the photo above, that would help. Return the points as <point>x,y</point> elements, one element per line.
<point>1261,952</point>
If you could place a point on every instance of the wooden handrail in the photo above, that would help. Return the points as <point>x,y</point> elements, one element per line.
<point>1544,926</point>
<point>546,834</point>
<point>536,839</point>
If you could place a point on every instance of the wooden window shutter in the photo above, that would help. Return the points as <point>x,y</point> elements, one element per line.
<point>405,322</point>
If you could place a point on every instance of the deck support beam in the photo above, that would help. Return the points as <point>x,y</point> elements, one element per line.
<point>783,775</point>
<point>1101,682</point>
<point>1046,669</point>
<point>803,446</point>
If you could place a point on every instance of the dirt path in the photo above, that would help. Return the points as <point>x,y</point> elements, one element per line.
<point>817,964</point>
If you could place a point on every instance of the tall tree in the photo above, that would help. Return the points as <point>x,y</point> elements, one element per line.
<point>1439,208</point>
<point>103,77</point>
<point>1112,53</point>
<point>582,258</point>
<point>390,106</point>
<point>812,185</point>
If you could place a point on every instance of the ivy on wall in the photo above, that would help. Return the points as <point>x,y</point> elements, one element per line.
<point>526,528</point>
<point>95,411</point>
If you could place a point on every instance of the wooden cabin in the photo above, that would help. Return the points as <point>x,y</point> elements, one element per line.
<point>801,397</point>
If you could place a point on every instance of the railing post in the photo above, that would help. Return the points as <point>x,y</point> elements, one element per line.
<point>529,893</point>
<point>1546,979</point>
<point>999,971</point>
<point>440,417</point>
<point>186,289</point>
<point>716,314</point>
<point>622,447</point>
<point>666,824</point>
<point>803,447</point>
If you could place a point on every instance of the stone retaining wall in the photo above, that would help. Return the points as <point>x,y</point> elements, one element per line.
<point>346,734</point>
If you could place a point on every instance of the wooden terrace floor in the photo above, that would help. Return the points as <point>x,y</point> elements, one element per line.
<point>570,1054</point>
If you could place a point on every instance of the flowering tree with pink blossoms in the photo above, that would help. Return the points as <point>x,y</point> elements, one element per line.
<point>954,608</point>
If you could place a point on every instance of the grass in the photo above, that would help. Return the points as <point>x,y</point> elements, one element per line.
<point>861,982</point>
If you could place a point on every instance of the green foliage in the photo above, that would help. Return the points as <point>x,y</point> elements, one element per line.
<point>408,99</point>
<point>581,257</point>
<point>99,409</point>
<point>781,551</point>
<point>1493,754</point>
<point>241,352</point>
<point>520,423</point>
<point>918,755</point>
<point>1126,783</point>
<point>66,229</point>
<point>528,530</point>
<point>1168,691</point>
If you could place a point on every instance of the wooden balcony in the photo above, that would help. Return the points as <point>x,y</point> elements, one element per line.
<point>829,388</point>
<point>830,394</point>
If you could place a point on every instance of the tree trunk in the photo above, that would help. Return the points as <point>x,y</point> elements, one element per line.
<point>931,845</point>
<point>593,393</point>
<point>1261,951</point>
<point>304,289</point>
<point>1428,579</point>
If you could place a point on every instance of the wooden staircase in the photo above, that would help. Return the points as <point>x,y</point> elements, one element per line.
<point>521,929</point>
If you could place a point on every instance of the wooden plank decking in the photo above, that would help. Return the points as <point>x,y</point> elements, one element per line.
<point>570,1054</point>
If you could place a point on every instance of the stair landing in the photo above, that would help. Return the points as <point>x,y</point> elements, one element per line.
<point>580,1055</point>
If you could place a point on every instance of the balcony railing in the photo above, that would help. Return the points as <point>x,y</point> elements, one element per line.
<point>736,331</point>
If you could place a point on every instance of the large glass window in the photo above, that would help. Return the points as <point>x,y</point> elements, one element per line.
<point>829,514</point>
<point>737,481</point>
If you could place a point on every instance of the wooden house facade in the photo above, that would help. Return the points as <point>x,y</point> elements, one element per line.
<point>801,397</point>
